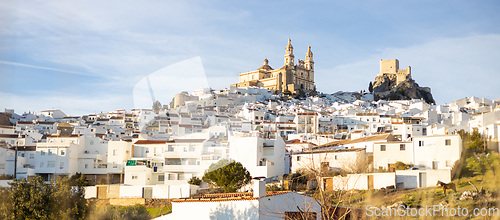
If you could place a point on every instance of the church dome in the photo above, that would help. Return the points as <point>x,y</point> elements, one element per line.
<point>266,65</point>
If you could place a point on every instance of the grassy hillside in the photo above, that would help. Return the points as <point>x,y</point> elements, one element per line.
<point>482,193</point>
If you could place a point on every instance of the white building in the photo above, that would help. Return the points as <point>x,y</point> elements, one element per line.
<point>257,205</point>
<point>436,152</point>
<point>350,160</point>
<point>262,157</point>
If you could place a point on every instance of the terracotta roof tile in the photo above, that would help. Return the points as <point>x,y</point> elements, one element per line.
<point>227,197</point>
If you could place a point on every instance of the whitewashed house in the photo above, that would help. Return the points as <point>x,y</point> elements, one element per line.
<point>353,159</point>
<point>257,205</point>
<point>262,157</point>
<point>436,152</point>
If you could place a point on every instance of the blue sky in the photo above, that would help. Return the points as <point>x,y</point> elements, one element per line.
<point>86,56</point>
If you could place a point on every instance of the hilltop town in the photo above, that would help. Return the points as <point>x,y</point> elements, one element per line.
<point>273,121</point>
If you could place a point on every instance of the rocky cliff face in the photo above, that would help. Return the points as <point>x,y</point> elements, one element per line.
<point>385,88</point>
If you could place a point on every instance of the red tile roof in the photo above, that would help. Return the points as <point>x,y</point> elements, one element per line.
<point>227,197</point>
<point>25,122</point>
<point>151,142</point>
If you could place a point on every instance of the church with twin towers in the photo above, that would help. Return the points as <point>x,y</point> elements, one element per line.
<point>292,77</point>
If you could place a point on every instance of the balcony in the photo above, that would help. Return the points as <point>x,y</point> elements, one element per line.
<point>181,168</point>
<point>90,156</point>
<point>182,154</point>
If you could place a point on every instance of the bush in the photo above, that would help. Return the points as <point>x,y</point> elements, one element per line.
<point>137,212</point>
<point>401,166</point>
<point>6,177</point>
<point>195,181</point>
<point>274,187</point>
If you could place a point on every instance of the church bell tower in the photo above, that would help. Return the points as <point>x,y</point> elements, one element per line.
<point>289,57</point>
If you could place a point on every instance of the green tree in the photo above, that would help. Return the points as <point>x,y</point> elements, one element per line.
<point>68,198</point>
<point>228,175</point>
<point>219,164</point>
<point>35,199</point>
<point>370,87</point>
<point>157,106</point>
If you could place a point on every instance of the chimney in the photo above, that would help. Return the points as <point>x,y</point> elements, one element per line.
<point>259,188</point>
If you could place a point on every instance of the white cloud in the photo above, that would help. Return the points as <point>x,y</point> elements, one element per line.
<point>46,68</point>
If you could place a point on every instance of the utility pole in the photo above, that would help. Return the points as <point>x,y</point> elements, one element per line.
<point>15,162</point>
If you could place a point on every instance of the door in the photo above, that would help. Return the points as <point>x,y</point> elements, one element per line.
<point>102,192</point>
<point>370,181</point>
<point>328,184</point>
<point>147,192</point>
<point>422,179</point>
<point>392,167</point>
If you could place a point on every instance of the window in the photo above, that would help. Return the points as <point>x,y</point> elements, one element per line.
<point>335,157</point>
<point>180,176</point>
<point>170,148</point>
<point>91,142</point>
<point>434,165</point>
<point>114,152</point>
<point>86,166</point>
<point>32,156</point>
<point>447,142</point>
<point>420,143</point>
<point>62,152</point>
<point>171,176</point>
<point>41,164</point>
<point>134,177</point>
<point>61,165</point>
<point>50,152</point>
<point>402,147</point>
<point>51,164</point>
<point>422,164</point>
<point>161,178</point>
<point>298,158</point>
<point>115,165</point>
<point>382,147</point>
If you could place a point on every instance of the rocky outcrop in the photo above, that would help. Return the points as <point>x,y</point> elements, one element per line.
<point>385,88</point>
<point>4,119</point>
